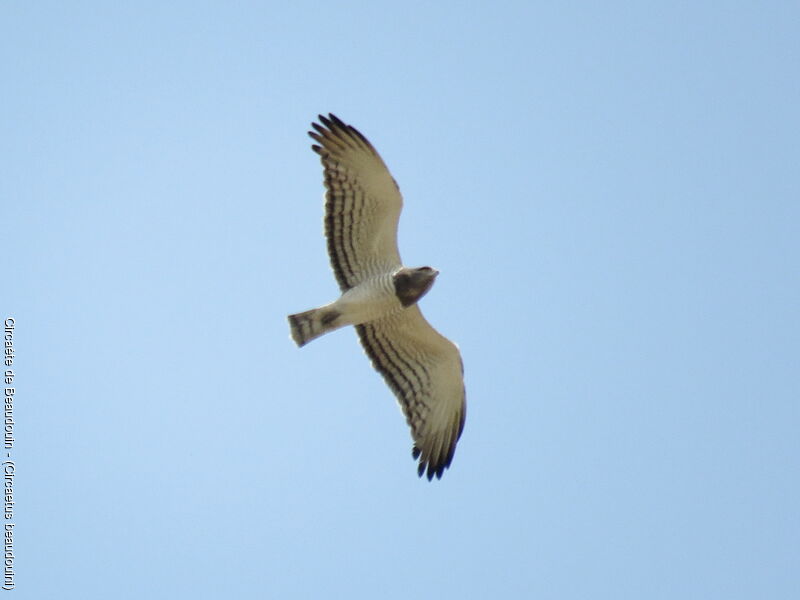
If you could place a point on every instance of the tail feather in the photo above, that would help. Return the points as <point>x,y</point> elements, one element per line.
<point>309,325</point>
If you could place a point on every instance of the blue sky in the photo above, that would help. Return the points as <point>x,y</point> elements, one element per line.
<point>611,194</point>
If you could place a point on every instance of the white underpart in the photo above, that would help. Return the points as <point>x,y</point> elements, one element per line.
<point>369,300</point>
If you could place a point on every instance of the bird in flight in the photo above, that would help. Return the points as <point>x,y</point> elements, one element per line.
<point>379,295</point>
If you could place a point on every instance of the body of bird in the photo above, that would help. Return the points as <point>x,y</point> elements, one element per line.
<point>379,295</point>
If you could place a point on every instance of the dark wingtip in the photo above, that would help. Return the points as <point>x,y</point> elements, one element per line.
<point>337,121</point>
<point>333,126</point>
<point>319,128</point>
<point>427,468</point>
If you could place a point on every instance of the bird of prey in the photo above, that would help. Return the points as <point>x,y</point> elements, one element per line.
<point>380,295</point>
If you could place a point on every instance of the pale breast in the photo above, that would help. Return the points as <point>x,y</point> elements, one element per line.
<point>370,300</point>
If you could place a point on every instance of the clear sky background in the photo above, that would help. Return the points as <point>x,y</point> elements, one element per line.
<point>611,193</point>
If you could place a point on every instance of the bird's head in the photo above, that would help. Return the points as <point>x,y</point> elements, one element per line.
<point>412,284</point>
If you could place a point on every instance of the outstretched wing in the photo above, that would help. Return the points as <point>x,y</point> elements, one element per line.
<point>363,204</point>
<point>425,372</point>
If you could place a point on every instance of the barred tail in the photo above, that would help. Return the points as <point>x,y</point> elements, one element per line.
<point>309,325</point>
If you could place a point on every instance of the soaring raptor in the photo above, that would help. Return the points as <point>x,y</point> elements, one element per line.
<point>379,295</point>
